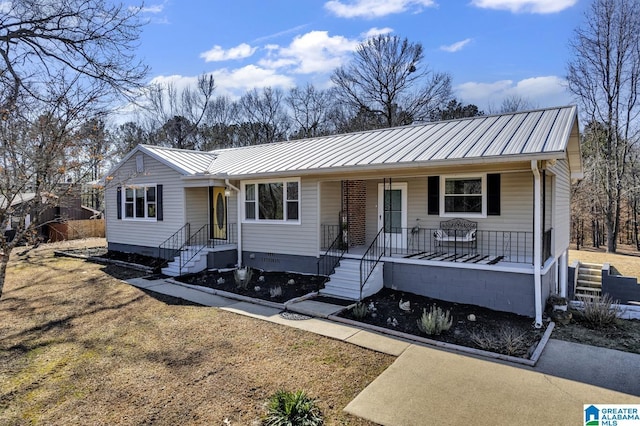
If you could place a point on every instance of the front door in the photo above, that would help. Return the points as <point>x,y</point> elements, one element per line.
<point>218,213</point>
<point>392,214</point>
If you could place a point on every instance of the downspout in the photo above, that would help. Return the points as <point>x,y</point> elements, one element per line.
<point>537,243</point>
<point>239,205</point>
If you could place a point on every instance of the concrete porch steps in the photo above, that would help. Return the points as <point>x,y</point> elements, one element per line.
<point>197,264</point>
<point>589,281</point>
<point>344,283</point>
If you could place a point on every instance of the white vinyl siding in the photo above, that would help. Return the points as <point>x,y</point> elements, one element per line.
<point>562,209</point>
<point>285,238</point>
<point>197,207</point>
<point>145,233</point>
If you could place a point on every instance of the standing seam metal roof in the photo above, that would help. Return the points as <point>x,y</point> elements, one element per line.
<point>529,133</point>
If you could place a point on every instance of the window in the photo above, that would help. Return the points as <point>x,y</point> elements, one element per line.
<point>140,202</point>
<point>463,196</point>
<point>272,201</point>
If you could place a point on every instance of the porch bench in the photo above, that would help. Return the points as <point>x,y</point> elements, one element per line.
<point>456,231</point>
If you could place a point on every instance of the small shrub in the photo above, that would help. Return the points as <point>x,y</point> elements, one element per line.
<point>360,310</point>
<point>506,340</point>
<point>242,277</point>
<point>599,313</point>
<point>435,321</point>
<point>292,409</point>
<point>275,291</point>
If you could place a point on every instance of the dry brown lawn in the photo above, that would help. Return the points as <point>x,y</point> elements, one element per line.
<point>626,261</point>
<point>79,346</point>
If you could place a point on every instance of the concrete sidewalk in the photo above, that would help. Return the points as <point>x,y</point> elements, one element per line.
<point>426,385</point>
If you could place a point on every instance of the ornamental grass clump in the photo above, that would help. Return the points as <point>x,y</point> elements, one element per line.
<point>506,340</point>
<point>242,277</point>
<point>600,313</point>
<point>360,310</point>
<point>292,409</point>
<point>435,321</point>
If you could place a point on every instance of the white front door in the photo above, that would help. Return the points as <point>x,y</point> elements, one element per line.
<point>392,214</point>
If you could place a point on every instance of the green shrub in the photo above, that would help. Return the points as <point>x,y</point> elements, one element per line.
<point>292,409</point>
<point>275,291</point>
<point>506,340</point>
<point>360,310</point>
<point>435,321</point>
<point>599,313</point>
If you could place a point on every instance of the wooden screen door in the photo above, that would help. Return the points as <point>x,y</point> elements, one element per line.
<point>219,213</point>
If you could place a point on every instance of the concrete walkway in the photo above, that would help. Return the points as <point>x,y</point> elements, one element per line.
<point>426,385</point>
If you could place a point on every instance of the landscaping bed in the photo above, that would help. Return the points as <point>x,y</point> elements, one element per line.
<point>262,285</point>
<point>471,326</point>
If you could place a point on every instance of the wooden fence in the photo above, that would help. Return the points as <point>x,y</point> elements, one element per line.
<point>76,229</point>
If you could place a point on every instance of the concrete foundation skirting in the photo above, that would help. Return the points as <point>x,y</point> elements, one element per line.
<point>472,351</point>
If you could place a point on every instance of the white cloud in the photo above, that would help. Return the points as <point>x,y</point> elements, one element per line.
<point>527,6</point>
<point>236,82</point>
<point>374,8</point>
<point>546,91</point>
<point>377,31</point>
<point>313,52</point>
<point>455,47</point>
<point>154,8</point>
<point>217,53</point>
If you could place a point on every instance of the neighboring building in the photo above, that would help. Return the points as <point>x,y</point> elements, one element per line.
<point>64,206</point>
<point>280,206</point>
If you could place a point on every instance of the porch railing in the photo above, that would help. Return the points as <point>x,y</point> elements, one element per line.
<point>546,244</point>
<point>370,259</point>
<point>507,246</point>
<point>201,240</point>
<point>329,260</point>
<point>170,247</point>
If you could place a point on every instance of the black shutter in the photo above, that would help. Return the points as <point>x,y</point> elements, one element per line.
<point>433,195</point>
<point>159,216</point>
<point>119,201</point>
<point>493,194</point>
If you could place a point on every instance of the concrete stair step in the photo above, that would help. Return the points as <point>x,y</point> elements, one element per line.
<point>588,290</point>
<point>587,283</point>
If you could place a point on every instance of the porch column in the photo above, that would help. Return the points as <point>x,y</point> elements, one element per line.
<point>537,242</point>
<point>562,273</point>
<point>239,224</point>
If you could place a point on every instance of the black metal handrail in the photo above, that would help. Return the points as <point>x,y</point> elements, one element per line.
<point>546,245</point>
<point>170,247</point>
<point>331,258</point>
<point>461,246</point>
<point>370,259</point>
<point>194,245</point>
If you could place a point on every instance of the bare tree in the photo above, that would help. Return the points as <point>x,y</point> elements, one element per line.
<point>513,103</point>
<point>62,63</point>
<point>387,78</point>
<point>177,113</point>
<point>605,74</point>
<point>264,119</point>
<point>310,110</point>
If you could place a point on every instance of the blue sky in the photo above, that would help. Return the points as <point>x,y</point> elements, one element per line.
<point>491,48</point>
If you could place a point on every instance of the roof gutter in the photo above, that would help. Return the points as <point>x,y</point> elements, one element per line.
<point>239,224</point>
<point>537,242</point>
<point>426,165</point>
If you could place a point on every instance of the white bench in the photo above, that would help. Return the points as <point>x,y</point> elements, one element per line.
<point>457,231</point>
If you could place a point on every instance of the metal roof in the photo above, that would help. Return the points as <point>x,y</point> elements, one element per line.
<point>184,161</point>
<point>513,136</point>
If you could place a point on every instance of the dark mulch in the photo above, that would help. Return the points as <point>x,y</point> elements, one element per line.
<point>487,321</point>
<point>138,259</point>
<point>259,288</point>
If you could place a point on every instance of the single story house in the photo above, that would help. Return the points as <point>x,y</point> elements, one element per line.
<point>473,210</point>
